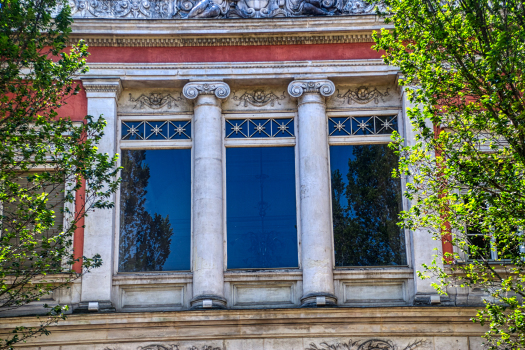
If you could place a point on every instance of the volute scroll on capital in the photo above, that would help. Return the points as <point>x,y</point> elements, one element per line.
<point>193,89</point>
<point>299,87</point>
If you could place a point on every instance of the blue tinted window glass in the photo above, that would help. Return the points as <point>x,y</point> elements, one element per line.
<point>155,210</point>
<point>261,210</point>
<point>366,201</point>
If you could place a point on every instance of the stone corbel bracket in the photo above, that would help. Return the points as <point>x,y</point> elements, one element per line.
<point>299,87</point>
<point>193,89</point>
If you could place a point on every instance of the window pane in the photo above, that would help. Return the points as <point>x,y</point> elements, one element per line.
<point>261,211</point>
<point>366,201</point>
<point>155,210</point>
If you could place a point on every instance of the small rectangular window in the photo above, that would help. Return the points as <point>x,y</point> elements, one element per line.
<point>155,210</point>
<point>366,202</point>
<point>19,216</point>
<point>261,208</point>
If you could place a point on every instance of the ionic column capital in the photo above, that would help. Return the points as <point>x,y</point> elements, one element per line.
<point>323,87</point>
<point>192,90</point>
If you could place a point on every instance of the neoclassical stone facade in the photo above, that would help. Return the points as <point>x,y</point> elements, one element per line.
<point>242,125</point>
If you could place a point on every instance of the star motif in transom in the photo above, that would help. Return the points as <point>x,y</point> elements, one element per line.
<point>260,128</point>
<point>133,130</point>
<point>282,127</point>
<point>362,125</point>
<point>387,124</point>
<point>339,126</point>
<point>179,130</point>
<point>237,128</point>
<point>156,130</point>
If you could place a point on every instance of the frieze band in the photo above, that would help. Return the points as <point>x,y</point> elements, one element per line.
<point>184,9</point>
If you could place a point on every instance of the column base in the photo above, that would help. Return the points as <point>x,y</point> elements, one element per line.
<point>101,306</point>
<point>432,300</point>
<point>208,301</point>
<point>319,300</point>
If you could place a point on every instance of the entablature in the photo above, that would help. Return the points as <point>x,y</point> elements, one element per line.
<point>227,32</point>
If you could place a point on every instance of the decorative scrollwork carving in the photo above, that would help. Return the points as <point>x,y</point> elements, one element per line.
<point>154,101</point>
<point>299,87</point>
<point>370,344</point>
<point>158,347</point>
<point>219,89</point>
<point>363,95</point>
<point>258,98</point>
<point>218,8</point>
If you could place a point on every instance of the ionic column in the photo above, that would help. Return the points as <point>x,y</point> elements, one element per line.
<point>314,179</point>
<point>99,233</point>
<point>208,248</point>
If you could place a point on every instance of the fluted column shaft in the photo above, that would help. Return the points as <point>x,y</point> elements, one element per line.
<point>208,248</point>
<point>314,177</point>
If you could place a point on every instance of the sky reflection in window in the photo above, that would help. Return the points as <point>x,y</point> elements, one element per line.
<point>261,208</point>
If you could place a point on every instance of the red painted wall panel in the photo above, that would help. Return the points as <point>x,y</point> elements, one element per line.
<point>233,53</point>
<point>75,106</point>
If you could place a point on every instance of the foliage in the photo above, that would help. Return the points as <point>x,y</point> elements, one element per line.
<point>462,61</point>
<point>43,159</point>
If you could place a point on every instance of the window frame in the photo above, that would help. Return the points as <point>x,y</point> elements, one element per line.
<point>151,145</point>
<point>261,142</point>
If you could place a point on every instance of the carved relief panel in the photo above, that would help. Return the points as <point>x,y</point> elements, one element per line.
<point>259,98</point>
<point>364,96</point>
<point>153,101</point>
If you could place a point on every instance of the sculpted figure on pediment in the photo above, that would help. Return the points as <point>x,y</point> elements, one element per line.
<point>203,8</point>
<point>313,7</point>
<point>214,9</point>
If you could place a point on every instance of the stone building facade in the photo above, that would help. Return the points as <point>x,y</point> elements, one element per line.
<point>256,209</point>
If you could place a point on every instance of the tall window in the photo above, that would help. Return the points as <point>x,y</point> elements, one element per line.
<point>155,204</point>
<point>261,205</point>
<point>366,200</point>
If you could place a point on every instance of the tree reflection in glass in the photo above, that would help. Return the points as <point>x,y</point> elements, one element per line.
<point>366,201</point>
<point>261,208</point>
<point>155,210</point>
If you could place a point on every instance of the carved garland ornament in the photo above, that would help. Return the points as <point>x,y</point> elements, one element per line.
<point>370,344</point>
<point>362,95</point>
<point>183,9</point>
<point>154,101</point>
<point>258,98</point>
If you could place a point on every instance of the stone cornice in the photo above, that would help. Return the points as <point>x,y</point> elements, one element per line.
<point>267,323</point>
<point>247,32</point>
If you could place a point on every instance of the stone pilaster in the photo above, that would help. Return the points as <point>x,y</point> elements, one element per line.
<point>422,245</point>
<point>208,196</point>
<point>102,95</point>
<point>314,178</point>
